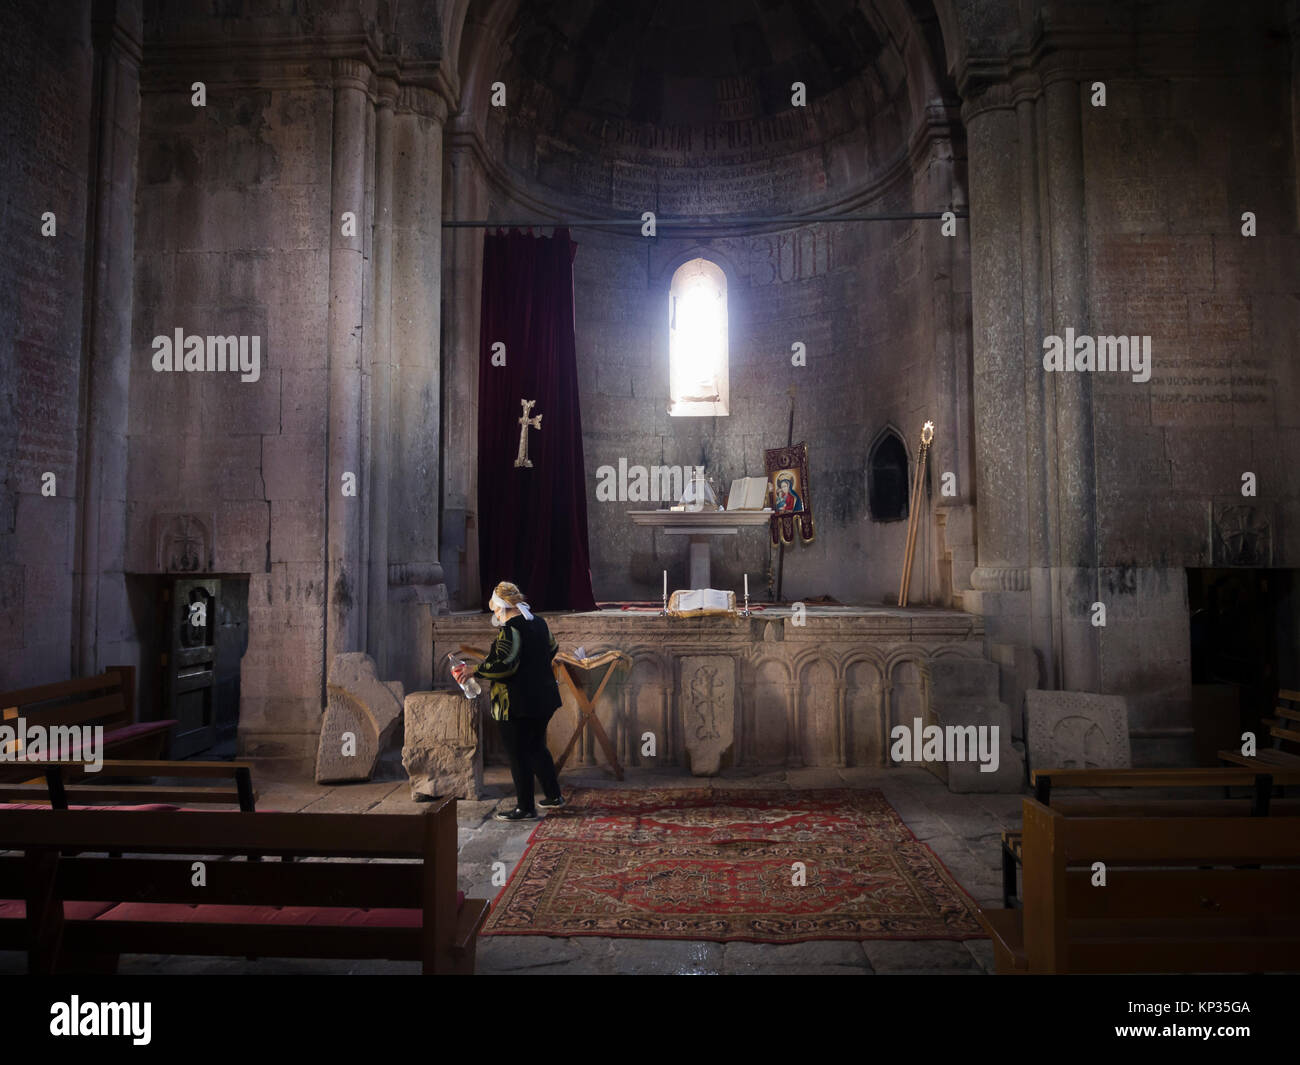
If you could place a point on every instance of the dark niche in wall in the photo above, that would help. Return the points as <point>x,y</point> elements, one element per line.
<point>887,478</point>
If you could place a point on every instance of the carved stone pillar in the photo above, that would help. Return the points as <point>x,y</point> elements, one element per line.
<point>841,725</point>
<point>103,621</point>
<point>380,363</point>
<point>1001,577</point>
<point>414,483</point>
<point>466,198</point>
<point>345,513</point>
<point>1074,464</point>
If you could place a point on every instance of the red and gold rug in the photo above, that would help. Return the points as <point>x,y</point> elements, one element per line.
<point>721,865</point>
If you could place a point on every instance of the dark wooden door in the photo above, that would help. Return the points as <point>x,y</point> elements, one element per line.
<point>189,666</point>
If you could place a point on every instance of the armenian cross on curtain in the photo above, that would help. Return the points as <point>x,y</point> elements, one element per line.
<point>526,423</point>
<point>532,485</point>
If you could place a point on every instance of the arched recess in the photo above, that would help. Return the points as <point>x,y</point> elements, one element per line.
<point>647,708</point>
<point>888,484</point>
<point>866,721</point>
<point>767,727</point>
<point>909,694</point>
<point>818,713</point>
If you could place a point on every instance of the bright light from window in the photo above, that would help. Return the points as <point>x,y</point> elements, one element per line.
<point>697,321</point>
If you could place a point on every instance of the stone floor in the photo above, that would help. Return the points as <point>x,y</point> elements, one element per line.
<point>962,830</point>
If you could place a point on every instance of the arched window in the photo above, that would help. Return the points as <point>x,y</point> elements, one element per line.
<point>697,340</point>
<point>887,486</point>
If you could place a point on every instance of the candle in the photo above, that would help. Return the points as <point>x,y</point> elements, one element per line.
<point>665,585</point>
<point>746,585</point>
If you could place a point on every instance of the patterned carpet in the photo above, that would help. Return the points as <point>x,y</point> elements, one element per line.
<point>720,865</point>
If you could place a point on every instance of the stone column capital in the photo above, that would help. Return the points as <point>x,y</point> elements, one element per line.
<point>422,100</point>
<point>351,73</point>
<point>1000,578</point>
<point>992,96</point>
<point>386,93</point>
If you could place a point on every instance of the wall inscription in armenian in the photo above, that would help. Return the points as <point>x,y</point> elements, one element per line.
<point>796,255</point>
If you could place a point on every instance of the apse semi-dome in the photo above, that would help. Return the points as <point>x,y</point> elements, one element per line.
<point>706,109</point>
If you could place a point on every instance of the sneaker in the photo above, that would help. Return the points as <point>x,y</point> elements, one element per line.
<point>515,815</point>
<point>551,804</point>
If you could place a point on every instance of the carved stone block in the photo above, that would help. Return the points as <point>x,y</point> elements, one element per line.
<point>442,752</point>
<point>361,719</point>
<point>1077,730</point>
<point>1242,535</point>
<point>183,542</point>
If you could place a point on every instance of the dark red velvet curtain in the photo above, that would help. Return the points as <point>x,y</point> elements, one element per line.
<point>532,520</point>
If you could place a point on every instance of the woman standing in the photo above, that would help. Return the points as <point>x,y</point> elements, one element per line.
<point>524,696</point>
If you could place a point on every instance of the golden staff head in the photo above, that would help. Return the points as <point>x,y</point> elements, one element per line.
<point>927,433</point>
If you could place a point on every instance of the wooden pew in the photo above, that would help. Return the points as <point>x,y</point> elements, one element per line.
<point>1260,782</point>
<point>107,700</point>
<point>73,908</point>
<point>1183,894</point>
<point>59,794</point>
<point>1284,730</point>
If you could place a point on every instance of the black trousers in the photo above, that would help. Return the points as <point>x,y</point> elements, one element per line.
<point>525,742</point>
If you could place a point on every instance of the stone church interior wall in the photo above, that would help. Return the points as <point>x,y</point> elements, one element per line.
<point>1171,165</point>
<point>232,239</point>
<point>45,123</point>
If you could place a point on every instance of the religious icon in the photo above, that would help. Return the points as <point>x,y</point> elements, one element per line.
<point>787,476</point>
<point>785,491</point>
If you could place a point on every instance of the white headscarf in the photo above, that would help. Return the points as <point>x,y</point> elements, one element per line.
<point>497,603</point>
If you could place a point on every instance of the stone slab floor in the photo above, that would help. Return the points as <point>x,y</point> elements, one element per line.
<point>962,830</point>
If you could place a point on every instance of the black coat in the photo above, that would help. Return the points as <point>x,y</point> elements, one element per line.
<point>519,667</point>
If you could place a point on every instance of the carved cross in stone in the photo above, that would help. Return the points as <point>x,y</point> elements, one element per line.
<point>526,423</point>
<point>708,698</point>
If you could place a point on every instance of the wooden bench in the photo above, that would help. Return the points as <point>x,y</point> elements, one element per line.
<point>72,908</point>
<point>1284,730</point>
<point>107,700</point>
<point>55,791</point>
<point>1259,803</point>
<point>1182,894</point>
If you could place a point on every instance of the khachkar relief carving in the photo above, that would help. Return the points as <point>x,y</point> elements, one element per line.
<point>183,543</point>
<point>1242,535</point>
<point>707,701</point>
<point>1077,730</point>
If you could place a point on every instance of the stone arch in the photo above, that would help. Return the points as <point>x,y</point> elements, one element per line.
<point>661,275</point>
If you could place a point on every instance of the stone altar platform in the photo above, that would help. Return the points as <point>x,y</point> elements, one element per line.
<point>821,687</point>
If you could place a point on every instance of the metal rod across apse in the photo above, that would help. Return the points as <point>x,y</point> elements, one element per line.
<point>700,223</point>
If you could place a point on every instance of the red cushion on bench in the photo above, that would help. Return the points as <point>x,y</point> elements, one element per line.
<point>113,738</point>
<point>16,909</point>
<point>140,728</point>
<point>45,806</point>
<point>332,916</point>
<point>182,913</point>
